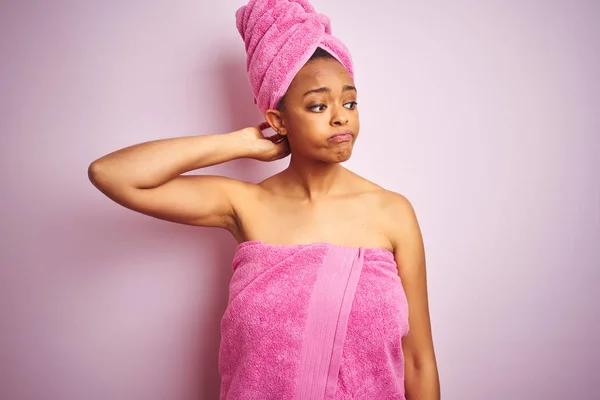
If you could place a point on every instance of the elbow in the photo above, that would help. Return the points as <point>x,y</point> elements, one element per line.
<point>109,180</point>
<point>420,361</point>
<point>95,173</point>
<point>101,177</point>
<point>421,379</point>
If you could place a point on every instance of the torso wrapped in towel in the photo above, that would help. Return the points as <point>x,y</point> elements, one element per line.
<point>313,321</point>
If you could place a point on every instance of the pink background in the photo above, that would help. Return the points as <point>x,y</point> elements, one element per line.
<point>485,114</point>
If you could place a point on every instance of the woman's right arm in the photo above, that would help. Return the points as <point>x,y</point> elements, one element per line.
<point>147,177</point>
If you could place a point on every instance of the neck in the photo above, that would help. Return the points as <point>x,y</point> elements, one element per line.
<point>312,179</point>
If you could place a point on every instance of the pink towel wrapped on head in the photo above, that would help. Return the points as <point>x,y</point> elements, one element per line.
<point>280,36</point>
<point>311,322</point>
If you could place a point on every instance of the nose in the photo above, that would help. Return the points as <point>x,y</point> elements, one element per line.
<point>339,118</point>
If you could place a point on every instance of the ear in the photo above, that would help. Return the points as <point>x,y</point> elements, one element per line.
<point>275,119</point>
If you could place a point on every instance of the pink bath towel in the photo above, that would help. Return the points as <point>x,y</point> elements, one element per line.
<point>311,322</point>
<point>279,37</point>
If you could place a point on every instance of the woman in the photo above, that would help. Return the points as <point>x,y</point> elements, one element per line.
<point>313,205</point>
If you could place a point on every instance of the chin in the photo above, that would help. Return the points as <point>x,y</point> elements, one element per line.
<point>342,156</point>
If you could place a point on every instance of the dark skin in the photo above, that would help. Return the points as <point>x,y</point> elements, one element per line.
<point>315,199</point>
<point>309,118</point>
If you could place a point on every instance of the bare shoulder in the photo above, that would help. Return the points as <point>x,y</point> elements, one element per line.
<point>244,193</point>
<point>393,211</point>
<point>269,183</point>
<point>386,200</point>
<point>402,225</point>
<point>397,204</point>
<point>362,186</point>
<point>251,195</point>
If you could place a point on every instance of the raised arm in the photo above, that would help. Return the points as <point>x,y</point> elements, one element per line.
<point>147,177</point>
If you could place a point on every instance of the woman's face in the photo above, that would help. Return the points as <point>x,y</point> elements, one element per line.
<point>320,117</point>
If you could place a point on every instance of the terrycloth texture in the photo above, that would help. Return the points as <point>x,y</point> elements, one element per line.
<point>311,322</point>
<point>280,36</point>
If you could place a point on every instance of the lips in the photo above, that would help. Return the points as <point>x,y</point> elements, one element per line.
<point>342,137</point>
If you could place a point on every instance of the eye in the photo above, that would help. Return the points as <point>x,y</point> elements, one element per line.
<point>317,107</point>
<point>353,105</point>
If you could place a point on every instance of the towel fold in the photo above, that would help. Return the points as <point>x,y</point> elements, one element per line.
<point>280,36</point>
<point>314,321</point>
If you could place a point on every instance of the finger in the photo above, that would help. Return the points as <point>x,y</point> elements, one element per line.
<point>282,149</point>
<point>277,138</point>
<point>284,154</point>
<point>285,150</point>
<point>264,126</point>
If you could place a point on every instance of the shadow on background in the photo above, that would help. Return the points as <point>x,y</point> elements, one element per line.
<point>241,112</point>
<point>120,317</point>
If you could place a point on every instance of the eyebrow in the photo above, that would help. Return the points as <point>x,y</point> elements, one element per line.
<point>328,90</point>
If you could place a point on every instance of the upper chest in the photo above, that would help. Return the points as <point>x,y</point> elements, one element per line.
<point>352,221</point>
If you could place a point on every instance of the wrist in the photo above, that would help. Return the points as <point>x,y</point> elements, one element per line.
<point>243,144</point>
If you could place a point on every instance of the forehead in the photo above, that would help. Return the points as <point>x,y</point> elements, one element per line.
<point>320,73</point>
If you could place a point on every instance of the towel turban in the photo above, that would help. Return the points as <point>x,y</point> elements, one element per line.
<point>280,36</point>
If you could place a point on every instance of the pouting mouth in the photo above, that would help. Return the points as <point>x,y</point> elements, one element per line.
<point>341,134</point>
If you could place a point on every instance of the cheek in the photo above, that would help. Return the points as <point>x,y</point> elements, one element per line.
<point>310,125</point>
